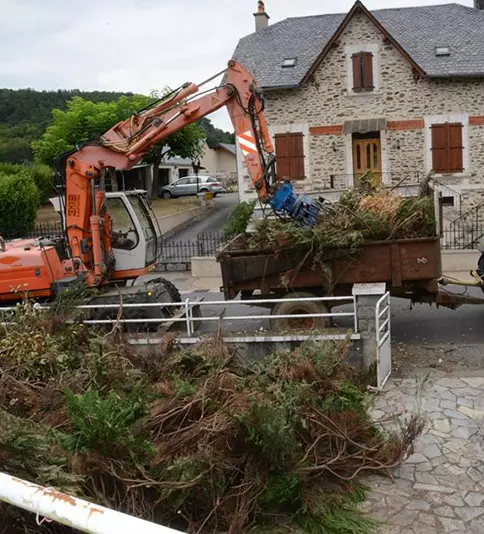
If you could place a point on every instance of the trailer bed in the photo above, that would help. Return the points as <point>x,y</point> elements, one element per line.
<point>407,265</point>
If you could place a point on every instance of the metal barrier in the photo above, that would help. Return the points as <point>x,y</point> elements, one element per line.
<point>191,321</point>
<point>52,505</point>
<point>383,341</point>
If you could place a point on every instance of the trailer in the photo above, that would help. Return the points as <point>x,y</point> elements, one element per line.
<point>411,269</point>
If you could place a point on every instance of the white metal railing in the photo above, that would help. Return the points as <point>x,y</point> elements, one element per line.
<point>383,340</point>
<point>52,505</point>
<point>187,308</point>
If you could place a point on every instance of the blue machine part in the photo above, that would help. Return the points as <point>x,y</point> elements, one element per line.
<point>302,208</point>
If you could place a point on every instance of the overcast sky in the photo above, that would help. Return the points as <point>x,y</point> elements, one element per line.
<point>137,45</point>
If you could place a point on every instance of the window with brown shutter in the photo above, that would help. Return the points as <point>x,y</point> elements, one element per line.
<point>290,156</point>
<point>363,71</point>
<point>447,148</point>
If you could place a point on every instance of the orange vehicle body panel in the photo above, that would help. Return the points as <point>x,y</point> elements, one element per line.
<point>28,268</point>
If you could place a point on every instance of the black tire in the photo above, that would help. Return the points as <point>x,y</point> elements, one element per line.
<point>172,289</point>
<point>300,308</point>
<point>204,190</point>
<point>165,194</point>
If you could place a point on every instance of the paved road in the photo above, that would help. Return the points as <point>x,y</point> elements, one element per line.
<point>213,222</point>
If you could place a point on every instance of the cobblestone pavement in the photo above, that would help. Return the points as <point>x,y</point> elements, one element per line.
<point>440,488</point>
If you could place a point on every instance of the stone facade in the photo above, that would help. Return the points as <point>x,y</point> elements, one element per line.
<point>322,105</point>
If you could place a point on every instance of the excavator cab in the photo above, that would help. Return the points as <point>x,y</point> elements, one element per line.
<point>135,233</point>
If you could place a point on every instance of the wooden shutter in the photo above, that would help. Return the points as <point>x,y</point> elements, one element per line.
<point>290,156</point>
<point>447,148</point>
<point>440,155</point>
<point>283,157</point>
<point>456,150</point>
<point>367,70</point>
<point>357,72</point>
<point>297,156</point>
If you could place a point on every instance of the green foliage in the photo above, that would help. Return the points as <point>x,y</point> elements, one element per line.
<point>183,388</point>
<point>42,176</point>
<point>239,219</point>
<point>44,180</point>
<point>338,520</point>
<point>19,200</point>
<point>29,450</point>
<point>106,424</point>
<point>81,122</point>
<point>348,397</point>
<point>270,428</point>
<point>282,491</point>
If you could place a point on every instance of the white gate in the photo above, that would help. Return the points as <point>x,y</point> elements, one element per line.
<point>383,341</point>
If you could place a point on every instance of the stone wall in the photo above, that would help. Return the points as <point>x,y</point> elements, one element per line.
<point>328,100</point>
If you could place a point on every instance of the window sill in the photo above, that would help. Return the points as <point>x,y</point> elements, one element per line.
<point>463,174</point>
<point>364,93</point>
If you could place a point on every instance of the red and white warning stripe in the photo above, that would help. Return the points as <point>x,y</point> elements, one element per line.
<point>247,144</point>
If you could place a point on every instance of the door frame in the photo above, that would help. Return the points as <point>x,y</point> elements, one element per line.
<point>349,167</point>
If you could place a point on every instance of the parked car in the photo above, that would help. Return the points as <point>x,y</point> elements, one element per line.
<point>188,186</point>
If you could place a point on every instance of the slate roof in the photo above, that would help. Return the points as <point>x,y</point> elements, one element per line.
<point>228,147</point>
<point>419,30</point>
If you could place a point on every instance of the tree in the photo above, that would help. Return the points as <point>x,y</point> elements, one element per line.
<point>84,121</point>
<point>187,143</point>
<point>215,136</point>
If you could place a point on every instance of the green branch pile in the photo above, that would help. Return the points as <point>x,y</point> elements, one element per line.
<point>192,439</point>
<point>361,216</point>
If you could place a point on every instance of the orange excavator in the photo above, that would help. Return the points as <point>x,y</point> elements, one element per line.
<point>112,239</point>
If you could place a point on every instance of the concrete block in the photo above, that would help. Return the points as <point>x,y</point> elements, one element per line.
<point>369,289</point>
<point>206,267</point>
<point>459,260</point>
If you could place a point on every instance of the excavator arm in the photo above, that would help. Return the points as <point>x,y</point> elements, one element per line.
<point>128,142</point>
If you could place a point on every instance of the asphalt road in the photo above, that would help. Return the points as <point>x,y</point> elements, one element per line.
<point>213,222</point>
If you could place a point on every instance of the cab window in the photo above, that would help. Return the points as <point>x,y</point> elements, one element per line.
<point>123,230</point>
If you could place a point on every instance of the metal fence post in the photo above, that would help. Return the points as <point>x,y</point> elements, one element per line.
<point>188,318</point>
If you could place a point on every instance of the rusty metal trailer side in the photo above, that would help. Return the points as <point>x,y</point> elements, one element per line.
<point>404,265</point>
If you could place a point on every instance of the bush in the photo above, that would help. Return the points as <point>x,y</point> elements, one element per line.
<point>42,175</point>
<point>19,201</point>
<point>239,219</point>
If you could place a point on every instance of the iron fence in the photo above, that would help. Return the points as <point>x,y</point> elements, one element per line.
<point>462,238</point>
<point>46,230</point>
<point>182,251</point>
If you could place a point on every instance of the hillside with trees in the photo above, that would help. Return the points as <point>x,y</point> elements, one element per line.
<point>25,114</point>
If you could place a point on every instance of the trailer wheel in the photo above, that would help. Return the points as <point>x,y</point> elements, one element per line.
<point>300,308</point>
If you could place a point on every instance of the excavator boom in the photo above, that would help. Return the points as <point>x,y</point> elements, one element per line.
<point>128,142</point>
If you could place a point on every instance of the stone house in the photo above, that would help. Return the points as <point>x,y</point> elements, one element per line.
<point>397,91</point>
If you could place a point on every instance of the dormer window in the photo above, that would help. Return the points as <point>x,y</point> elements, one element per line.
<point>442,51</point>
<point>289,62</point>
<point>362,72</point>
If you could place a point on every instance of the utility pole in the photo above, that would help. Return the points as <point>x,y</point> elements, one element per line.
<point>196,167</point>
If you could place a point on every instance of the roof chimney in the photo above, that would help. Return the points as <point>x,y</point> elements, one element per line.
<point>262,18</point>
<point>479,4</point>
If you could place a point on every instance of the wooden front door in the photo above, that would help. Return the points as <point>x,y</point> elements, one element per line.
<point>366,157</point>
